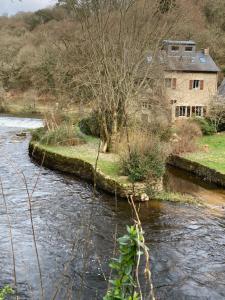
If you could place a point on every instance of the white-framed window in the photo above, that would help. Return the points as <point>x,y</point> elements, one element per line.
<point>188,48</point>
<point>198,111</point>
<point>183,111</point>
<point>190,111</point>
<point>196,84</point>
<point>175,48</point>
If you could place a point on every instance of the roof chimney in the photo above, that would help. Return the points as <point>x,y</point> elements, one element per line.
<point>206,51</point>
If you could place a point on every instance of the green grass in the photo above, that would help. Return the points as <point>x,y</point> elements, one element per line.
<point>212,155</point>
<point>108,163</point>
<point>177,198</point>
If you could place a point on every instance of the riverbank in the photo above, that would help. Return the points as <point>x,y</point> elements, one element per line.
<point>80,161</point>
<point>208,162</point>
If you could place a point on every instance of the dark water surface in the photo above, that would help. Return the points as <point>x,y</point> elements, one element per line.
<point>75,232</point>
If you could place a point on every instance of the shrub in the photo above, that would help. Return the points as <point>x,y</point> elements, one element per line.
<point>145,159</point>
<point>161,129</point>
<point>57,118</point>
<point>6,291</point>
<point>64,135</point>
<point>185,138</point>
<point>90,125</point>
<point>206,126</point>
<point>124,284</point>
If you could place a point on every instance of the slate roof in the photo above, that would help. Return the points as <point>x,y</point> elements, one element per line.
<point>199,62</point>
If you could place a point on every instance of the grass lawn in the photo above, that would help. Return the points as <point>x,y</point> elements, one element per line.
<point>212,155</point>
<point>108,163</point>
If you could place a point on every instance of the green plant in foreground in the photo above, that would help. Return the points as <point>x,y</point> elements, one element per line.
<point>124,285</point>
<point>6,291</point>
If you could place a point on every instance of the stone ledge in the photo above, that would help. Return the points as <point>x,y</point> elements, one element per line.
<point>206,173</point>
<point>83,170</point>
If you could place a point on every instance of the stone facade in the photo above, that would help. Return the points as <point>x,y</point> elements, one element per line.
<point>187,100</point>
<point>190,80</point>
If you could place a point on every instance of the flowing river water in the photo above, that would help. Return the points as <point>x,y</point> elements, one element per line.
<point>75,231</point>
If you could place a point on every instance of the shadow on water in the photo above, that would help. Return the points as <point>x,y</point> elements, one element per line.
<point>75,232</point>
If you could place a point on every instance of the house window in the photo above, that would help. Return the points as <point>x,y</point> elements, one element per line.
<point>188,49</point>
<point>188,111</point>
<point>183,111</point>
<point>173,102</point>
<point>168,82</point>
<point>175,48</point>
<point>196,84</point>
<point>199,111</point>
<point>171,83</point>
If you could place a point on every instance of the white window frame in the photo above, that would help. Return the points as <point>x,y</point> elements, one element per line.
<point>189,47</point>
<point>196,84</point>
<point>177,47</point>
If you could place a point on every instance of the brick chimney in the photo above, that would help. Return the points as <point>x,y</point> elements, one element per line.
<point>206,51</point>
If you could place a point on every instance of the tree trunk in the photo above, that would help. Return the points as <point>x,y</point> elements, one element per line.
<point>114,134</point>
<point>104,146</point>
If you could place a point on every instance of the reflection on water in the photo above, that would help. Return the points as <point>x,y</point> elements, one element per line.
<point>75,233</point>
<point>177,180</point>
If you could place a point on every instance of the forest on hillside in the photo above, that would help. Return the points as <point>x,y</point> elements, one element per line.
<point>46,51</point>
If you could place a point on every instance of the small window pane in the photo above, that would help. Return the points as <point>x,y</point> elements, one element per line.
<point>188,48</point>
<point>202,60</point>
<point>188,111</point>
<point>196,84</point>
<point>175,48</point>
<point>168,82</point>
<point>199,111</point>
<point>182,111</point>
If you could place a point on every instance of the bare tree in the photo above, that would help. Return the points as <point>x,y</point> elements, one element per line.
<point>119,54</point>
<point>217,113</point>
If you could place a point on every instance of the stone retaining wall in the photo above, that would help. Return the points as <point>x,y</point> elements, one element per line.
<point>83,170</point>
<point>204,172</point>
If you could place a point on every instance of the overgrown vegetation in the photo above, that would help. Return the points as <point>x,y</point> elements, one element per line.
<point>90,125</point>
<point>6,291</point>
<point>124,285</point>
<point>144,164</point>
<point>206,125</point>
<point>186,136</point>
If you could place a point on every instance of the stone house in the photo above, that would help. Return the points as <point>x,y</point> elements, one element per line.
<point>191,78</point>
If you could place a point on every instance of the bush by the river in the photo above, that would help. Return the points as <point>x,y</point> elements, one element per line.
<point>62,135</point>
<point>90,125</point>
<point>186,137</point>
<point>145,158</point>
<point>206,125</point>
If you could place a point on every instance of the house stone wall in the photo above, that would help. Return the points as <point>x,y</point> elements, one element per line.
<point>184,96</point>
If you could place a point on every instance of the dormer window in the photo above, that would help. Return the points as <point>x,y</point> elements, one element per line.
<point>188,49</point>
<point>175,48</point>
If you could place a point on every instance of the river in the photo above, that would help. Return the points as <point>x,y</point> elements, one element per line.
<point>74,231</point>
